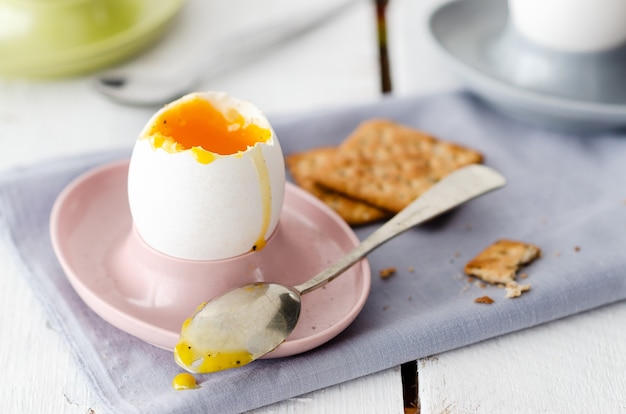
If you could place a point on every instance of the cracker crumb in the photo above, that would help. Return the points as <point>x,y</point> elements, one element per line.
<point>388,272</point>
<point>576,249</point>
<point>480,284</point>
<point>557,254</point>
<point>411,269</point>
<point>523,276</point>
<point>514,289</point>
<point>500,261</point>
<point>484,299</point>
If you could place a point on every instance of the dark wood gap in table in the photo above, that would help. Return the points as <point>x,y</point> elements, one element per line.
<point>409,375</point>
<point>383,52</point>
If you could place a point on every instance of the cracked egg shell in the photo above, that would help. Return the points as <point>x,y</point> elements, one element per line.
<point>206,179</point>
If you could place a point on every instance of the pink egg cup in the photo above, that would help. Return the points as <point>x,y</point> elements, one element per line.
<point>148,294</point>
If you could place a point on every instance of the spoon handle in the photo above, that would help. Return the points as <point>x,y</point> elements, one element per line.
<point>456,188</point>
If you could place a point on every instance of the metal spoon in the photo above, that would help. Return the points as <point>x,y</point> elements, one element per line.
<point>155,89</point>
<point>256,318</point>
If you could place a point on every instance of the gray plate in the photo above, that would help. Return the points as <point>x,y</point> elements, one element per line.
<point>573,91</point>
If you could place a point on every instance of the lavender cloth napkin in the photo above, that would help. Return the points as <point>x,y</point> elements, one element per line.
<point>565,193</point>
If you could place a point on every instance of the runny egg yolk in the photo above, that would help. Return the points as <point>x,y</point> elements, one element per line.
<point>184,381</point>
<point>207,361</point>
<point>196,125</point>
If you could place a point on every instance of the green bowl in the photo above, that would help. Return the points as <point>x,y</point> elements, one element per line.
<point>53,38</point>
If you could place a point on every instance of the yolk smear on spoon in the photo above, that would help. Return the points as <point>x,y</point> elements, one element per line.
<point>196,125</point>
<point>184,381</point>
<point>204,361</point>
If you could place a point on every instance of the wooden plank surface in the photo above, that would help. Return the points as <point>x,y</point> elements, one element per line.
<point>574,365</point>
<point>40,376</point>
<point>332,67</point>
<point>378,393</point>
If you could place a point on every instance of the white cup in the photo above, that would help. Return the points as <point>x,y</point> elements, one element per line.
<point>571,25</point>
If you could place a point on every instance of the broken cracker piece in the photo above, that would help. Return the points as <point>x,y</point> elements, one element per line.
<point>499,262</point>
<point>305,167</point>
<point>389,165</point>
<point>514,289</point>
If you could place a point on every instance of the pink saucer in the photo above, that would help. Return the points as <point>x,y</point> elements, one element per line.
<point>149,295</point>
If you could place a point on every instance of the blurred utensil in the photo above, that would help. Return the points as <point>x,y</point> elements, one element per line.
<point>155,89</point>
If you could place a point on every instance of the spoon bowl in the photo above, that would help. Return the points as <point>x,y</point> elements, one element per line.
<point>276,309</point>
<point>249,322</point>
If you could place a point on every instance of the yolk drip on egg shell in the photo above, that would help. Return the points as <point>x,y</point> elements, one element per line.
<point>198,126</point>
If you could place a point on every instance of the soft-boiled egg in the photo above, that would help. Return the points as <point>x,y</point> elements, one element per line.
<point>206,179</point>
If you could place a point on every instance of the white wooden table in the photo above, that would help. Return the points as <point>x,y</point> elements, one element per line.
<point>574,365</point>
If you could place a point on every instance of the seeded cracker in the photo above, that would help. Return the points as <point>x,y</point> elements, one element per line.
<point>304,168</point>
<point>389,165</point>
<point>499,262</point>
